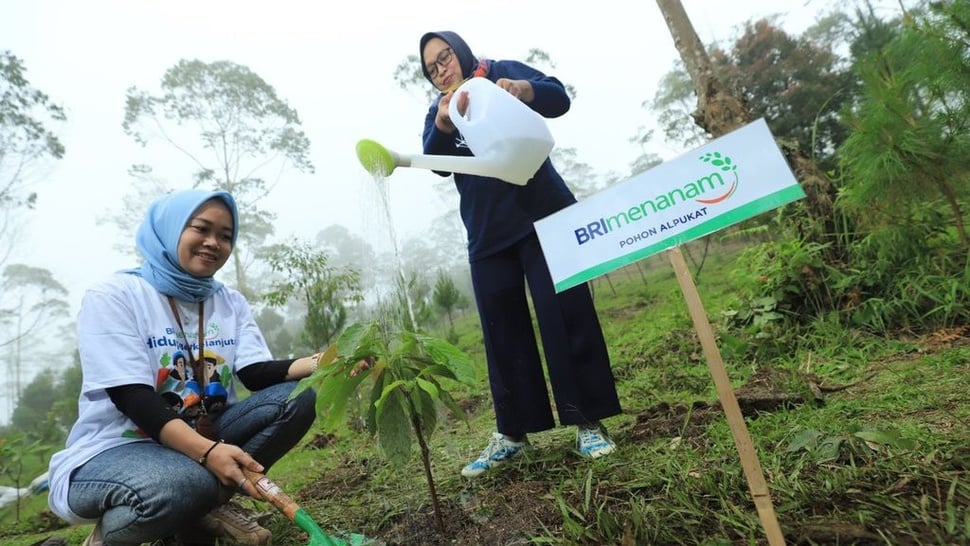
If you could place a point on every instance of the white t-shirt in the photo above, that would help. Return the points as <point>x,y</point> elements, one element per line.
<point>127,334</point>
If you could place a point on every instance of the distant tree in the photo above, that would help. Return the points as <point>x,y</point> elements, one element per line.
<point>409,77</point>
<point>64,408</point>
<point>275,329</point>
<point>449,243</point>
<point>542,60</point>
<point>348,250</point>
<point>410,302</point>
<point>578,175</point>
<point>645,161</point>
<point>325,291</point>
<point>242,129</point>
<point>673,102</point>
<point>403,295</point>
<point>146,187</point>
<point>30,301</point>
<point>35,406</point>
<point>798,84</point>
<point>722,106</point>
<point>447,297</point>
<point>26,141</point>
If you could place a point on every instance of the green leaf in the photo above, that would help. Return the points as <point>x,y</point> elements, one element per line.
<point>375,395</point>
<point>829,449</point>
<point>428,387</point>
<point>447,354</point>
<point>886,438</point>
<point>439,371</point>
<point>394,428</point>
<point>386,392</point>
<point>358,341</point>
<point>453,406</point>
<point>805,440</point>
<point>334,387</point>
<point>428,413</point>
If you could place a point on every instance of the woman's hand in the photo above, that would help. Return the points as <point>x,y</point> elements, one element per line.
<point>306,366</point>
<point>520,89</point>
<point>443,119</point>
<point>226,462</point>
<point>362,365</point>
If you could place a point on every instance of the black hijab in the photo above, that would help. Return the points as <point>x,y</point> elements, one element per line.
<point>466,59</point>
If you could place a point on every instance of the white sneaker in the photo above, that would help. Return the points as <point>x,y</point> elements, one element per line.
<point>593,442</point>
<point>498,450</point>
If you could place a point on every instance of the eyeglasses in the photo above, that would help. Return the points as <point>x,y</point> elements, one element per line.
<point>443,59</point>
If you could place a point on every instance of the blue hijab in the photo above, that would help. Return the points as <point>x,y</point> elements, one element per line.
<point>158,239</point>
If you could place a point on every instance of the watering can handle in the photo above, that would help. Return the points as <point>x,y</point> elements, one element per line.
<point>478,93</point>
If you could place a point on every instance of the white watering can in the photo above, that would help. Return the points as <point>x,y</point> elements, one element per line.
<point>510,140</point>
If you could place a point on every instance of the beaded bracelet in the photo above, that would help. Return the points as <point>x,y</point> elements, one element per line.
<point>205,455</point>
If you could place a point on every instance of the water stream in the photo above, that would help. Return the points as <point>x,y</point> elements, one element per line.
<point>383,198</point>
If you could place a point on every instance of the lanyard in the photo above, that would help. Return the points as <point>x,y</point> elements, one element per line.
<point>198,366</point>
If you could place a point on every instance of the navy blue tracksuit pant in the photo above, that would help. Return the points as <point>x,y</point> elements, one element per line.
<point>577,360</point>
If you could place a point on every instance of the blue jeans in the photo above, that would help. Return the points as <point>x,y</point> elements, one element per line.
<point>144,491</point>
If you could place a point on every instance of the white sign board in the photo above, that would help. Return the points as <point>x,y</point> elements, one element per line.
<point>730,179</point>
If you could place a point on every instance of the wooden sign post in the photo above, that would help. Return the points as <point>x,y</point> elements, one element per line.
<point>730,179</point>
<point>725,394</point>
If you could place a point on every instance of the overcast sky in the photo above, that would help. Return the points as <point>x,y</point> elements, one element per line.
<point>334,64</point>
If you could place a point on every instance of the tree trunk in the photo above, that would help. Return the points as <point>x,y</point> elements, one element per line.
<point>720,112</point>
<point>426,461</point>
<point>954,202</point>
<point>241,283</point>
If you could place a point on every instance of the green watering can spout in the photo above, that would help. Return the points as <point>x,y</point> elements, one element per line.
<point>319,538</point>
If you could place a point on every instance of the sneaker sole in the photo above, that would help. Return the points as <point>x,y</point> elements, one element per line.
<point>472,472</point>
<point>597,453</point>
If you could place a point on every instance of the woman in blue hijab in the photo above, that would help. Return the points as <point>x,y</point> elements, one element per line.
<point>138,466</point>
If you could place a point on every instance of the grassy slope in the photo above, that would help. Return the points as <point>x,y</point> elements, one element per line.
<point>877,455</point>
